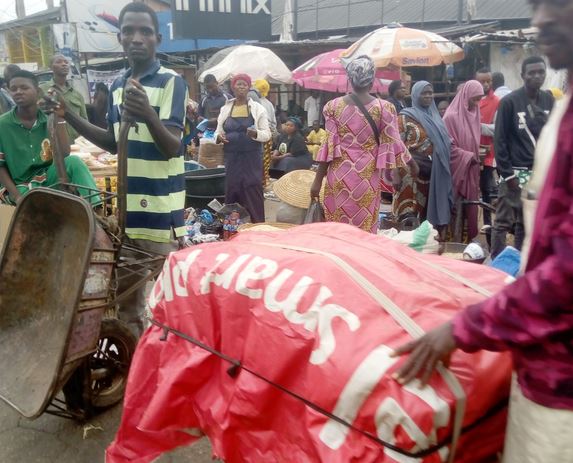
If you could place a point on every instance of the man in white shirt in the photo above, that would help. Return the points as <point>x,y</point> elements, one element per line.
<point>312,108</point>
<point>498,84</point>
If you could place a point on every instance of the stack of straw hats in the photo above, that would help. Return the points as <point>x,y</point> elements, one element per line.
<point>294,188</point>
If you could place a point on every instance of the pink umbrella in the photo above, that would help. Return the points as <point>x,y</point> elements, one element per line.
<point>326,72</point>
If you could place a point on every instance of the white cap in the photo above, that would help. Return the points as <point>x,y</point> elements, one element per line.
<point>474,251</point>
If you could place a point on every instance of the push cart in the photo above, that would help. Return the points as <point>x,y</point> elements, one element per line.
<point>62,348</point>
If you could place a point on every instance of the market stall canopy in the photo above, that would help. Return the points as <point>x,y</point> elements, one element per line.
<point>326,72</point>
<point>402,47</point>
<point>257,62</point>
<point>216,58</point>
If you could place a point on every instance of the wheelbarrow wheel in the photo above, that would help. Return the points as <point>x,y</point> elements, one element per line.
<point>109,365</point>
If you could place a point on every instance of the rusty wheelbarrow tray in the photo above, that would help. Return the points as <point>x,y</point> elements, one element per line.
<point>50,310</point>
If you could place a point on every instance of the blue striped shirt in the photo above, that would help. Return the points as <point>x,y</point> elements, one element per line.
<point>155,185</point>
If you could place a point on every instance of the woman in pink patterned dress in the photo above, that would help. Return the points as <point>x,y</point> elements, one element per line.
<point>354,157</point>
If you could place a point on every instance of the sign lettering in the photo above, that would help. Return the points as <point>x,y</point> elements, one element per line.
<point>248,272</point>
<point>182,5</point>
<point>222,19</point>
<point>389,415</point>
<point>262,6</point>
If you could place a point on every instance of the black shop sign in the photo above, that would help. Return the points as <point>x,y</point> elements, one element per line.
<point>222,19</point>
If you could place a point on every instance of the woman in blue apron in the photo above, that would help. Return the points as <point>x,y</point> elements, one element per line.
<point>243,128</point>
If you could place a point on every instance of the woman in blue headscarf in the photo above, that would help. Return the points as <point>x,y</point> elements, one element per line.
<point>291,152</point>
<point>430,195</point>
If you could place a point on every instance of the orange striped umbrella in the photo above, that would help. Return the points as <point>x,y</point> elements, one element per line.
<point>403,47</point>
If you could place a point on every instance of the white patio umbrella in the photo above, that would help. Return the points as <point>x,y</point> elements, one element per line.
<point>403,47</point>
<point>257,62</point>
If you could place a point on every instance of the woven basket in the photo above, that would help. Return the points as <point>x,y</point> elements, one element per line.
<point>211,155</point>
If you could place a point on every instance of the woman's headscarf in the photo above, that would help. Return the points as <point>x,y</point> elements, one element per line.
<point>361,72</point>
<point>243,77</point>
<point>296,121</point>
<point>262,86</point>
<point>463,125</point>
<point>440,197</point>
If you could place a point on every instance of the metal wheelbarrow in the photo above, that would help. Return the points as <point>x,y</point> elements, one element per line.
<point>58,294</point>
<point>55,274</point>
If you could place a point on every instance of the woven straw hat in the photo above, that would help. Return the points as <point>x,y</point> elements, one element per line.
<point>294,188</point>
<point>265,226</point>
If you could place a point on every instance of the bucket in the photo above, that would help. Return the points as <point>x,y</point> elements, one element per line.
<point>201,186</point>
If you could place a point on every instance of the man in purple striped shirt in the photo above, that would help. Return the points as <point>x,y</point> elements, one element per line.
<point>533,317</point>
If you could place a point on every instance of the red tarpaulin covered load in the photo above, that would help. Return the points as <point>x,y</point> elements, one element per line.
<point>315,310</point>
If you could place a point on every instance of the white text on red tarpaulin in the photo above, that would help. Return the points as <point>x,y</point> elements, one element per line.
<point>244,275</point>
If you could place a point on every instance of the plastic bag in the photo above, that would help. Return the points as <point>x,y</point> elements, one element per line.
<point>508,261</point>
<point>315,213</point>
<point>423,239</point>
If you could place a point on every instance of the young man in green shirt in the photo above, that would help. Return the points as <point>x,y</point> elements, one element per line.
<point>25,149</point>
<point>74,100</point>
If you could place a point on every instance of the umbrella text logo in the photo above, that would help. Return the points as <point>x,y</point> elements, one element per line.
<point>414,44</point>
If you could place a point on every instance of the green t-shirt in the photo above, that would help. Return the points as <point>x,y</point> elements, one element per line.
<point>21,148</point>
<point>74,101</point>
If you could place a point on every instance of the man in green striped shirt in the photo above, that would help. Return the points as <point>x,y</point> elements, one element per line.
<point>156,184</point>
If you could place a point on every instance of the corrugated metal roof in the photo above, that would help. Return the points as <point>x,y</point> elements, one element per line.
<point>334,14</point>
<point>49,15</point>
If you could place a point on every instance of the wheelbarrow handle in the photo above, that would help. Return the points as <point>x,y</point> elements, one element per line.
<point>127,121</point>
<point>481,204</point>
<point>60,145</point>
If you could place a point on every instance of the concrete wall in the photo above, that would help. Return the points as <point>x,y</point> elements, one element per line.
<point>508,58</point>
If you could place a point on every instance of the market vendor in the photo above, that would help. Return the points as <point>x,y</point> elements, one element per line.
<point>315,139</point>
<point>243,127</point>
<point>25,148</point>
<point>291,152</point>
